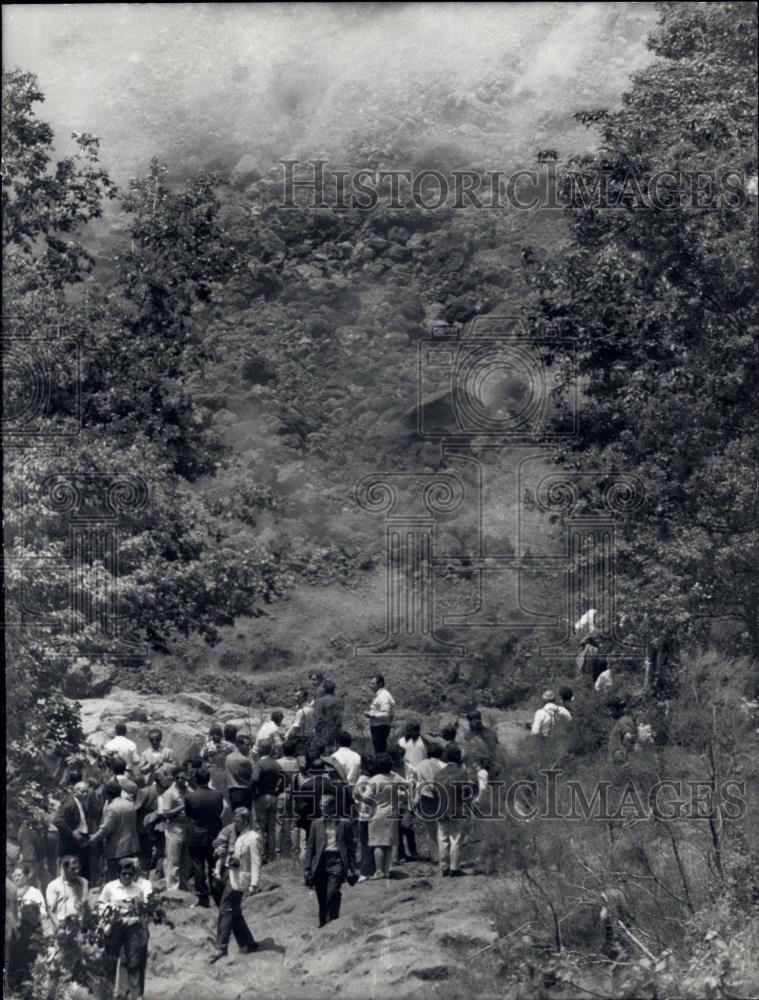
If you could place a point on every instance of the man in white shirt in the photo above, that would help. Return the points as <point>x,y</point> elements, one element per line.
<point>240,847</point>
<point>171,812</point>
<point>349,760</point>
<point>604,681</point>
<point>270,732</point>
<point>120,746</point>
<point>412,744</point>
<point>380,714</point>
<point>546,717</point>
<point>66,896</point>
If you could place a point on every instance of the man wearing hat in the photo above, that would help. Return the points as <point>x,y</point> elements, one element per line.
<point>546,717</point>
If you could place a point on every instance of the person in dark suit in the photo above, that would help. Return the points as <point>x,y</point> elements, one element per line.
<point>330,859</point>
<point>73,826</point>
<point>204,807</point>
<point>328,716</point>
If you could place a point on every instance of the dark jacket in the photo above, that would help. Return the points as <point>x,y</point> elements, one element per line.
<point>66,821</point>
<point>328,718</point>
<point>317,840</point>
<point>267,777</point>
<point>119,829</point>
<point>455,790</point>
<point>204,807</point>
<point>307,797</point>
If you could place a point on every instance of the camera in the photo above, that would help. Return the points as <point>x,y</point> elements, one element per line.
<point>496,383</point>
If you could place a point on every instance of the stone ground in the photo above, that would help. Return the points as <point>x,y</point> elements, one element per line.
<point>403,936</point>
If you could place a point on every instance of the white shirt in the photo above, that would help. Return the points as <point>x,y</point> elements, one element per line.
<point>381,709</point>
<point>247,851</point>
<point>414,751</point>
<point>604,681</point>
<point>117,894</point>
<point>64,899</point>
<point>123,748</point>
<point>268,731</point>
<point>350,762</point>
<point>545,718</point>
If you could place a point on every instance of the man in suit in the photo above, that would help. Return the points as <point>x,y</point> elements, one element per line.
<point>204,807</point>
<point>328,716</point>
<point>73,827</point>
<point>118,829</point>
<point>330,859</point>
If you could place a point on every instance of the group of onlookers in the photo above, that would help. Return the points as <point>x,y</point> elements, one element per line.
<point>237,802</point>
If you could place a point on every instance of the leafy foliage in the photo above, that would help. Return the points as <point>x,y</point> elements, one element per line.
<point>660,303</point>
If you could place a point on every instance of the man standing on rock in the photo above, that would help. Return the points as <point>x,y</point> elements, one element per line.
<point>328,716</point>
<point>455,790</point>
<point>266,780</point>
<point>239,770</point>
<point>270,732</point>
<point>239,847</point>
<point>171,812</point>
<point>204,807</point>
<point>330,859</point>
<point>380,714</point>
<point>121,746</point>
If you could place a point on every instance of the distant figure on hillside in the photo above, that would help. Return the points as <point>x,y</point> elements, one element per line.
<point>567,697</point>
<point>480,741</point>
<point>380,714</point>
<point>587,623</point>
<point>328,716</point>
<point>604,681</point>
<point>270,732</point>
<point>330,860</point>
<point>588,658</point>
<point>624,732</point>
<point>121,746</point>
<point>545,718</point>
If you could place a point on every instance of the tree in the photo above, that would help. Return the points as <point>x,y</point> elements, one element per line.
<point>657,291</point>
<point>153,561</point>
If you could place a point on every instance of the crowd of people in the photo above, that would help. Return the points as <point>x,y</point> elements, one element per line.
<point>235,802</point>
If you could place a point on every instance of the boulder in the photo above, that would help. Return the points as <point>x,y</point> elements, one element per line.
<point>89,679</point>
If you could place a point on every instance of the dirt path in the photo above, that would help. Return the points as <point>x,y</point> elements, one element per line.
<point>394,937</point>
